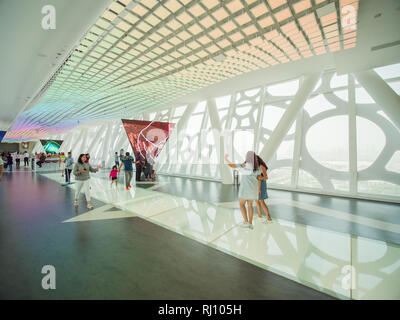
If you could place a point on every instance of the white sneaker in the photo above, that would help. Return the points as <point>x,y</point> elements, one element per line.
<point>251,226</point>
<point>244,224</point>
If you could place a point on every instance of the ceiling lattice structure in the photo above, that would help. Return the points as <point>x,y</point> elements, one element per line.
<point>141,55</point>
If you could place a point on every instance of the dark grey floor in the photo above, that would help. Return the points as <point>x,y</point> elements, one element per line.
<point>114,259</point>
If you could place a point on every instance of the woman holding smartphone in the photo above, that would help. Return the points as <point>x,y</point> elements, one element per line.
<point>249,189</point>
<point>82,177</point>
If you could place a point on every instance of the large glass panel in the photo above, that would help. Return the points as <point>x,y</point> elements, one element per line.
<point>394,163</point>
<point>318,104</point>
<point>327,141</point>
<point>223,102</point>
<point>389,72</point>
<point>288,88</point>
<point>362,96</point>
<point>379,187</point>
<point>370,142</point>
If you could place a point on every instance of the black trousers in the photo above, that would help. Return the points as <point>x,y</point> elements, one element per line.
<point>68,175</point>
<point>148,170</point>
<point>138,173</point>
<point>26,161</point>
<point>18,162</point>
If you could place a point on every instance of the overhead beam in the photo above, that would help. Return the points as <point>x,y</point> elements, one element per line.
<point>289,116</point>
<point>382,93</point>
<point>225,172</point>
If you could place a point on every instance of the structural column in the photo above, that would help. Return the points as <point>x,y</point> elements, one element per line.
<point>382,93</point>
<point>289,116</point>
<point>226,173</point>
<point>352,136</point>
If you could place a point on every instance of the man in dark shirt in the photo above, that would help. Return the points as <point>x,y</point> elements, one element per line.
<point>139,165</point>
<point>127,162</point>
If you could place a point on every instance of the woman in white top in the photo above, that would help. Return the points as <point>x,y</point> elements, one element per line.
<point>249,187</point>
<point>1,167</point>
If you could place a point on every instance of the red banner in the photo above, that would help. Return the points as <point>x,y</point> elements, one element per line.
<point>147,137</point>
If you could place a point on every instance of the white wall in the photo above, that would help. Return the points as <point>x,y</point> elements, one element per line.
<point>342,142</point>
<point>101,140</point>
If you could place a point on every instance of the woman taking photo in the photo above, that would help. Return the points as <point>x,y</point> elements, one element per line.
<point>249,186</point>
<point>82,177</point>
<point>263,190</point>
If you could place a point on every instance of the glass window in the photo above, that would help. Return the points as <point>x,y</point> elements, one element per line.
<point>243,141</point>
<point>317,105</point>
<point>252,92</point>
<point>388,72</point>
<point>339,81</point>
<point>327,141</point>
<point>379,187</point>
<point>288,88</point>
<point>306,179</point>
<point>362,96</point>
<point>194,124</point>
<point>395,86</point>
<point>394,163</point>
<point>178,112</point>
<point>223,102</point>
<point>271,117</point>
<point>201,107</point>
<point>281,175</point>
<point>370,142</point>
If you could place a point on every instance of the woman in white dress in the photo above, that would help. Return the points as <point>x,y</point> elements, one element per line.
<point>249,189</point>
<point>61,163</point>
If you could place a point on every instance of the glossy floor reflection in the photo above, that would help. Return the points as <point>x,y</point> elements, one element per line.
<point>319,258</point>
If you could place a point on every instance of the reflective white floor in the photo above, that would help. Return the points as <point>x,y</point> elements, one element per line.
<point>339,264</point>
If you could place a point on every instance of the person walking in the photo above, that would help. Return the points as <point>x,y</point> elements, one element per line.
<point>41,160</point>
<point>249,186</point>
<point>262,180</point>
<point>139,160</point>
<point>114,176</point>
<point>148,167</point>
<point>116,159</point>
<point>17,160</point>
<point>26,159</point>
<point>69,161</point>
<point>127,162</point>
<point>61,163</point>
<point>9,161</point>
<point>82,176</point>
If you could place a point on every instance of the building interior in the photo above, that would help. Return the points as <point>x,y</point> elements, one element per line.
<point>187,87</point>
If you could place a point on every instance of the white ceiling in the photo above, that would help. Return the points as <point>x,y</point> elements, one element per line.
<point>63,105</point>
<point>371,32</point>
<point>29,54</point>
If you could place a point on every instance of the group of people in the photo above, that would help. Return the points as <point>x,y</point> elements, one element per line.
<point>253,187</point>
<point>43,157</point>
<point>253,172</point>
<point>144,164</point>
<point>9,159</point>
<point>82,168</point>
